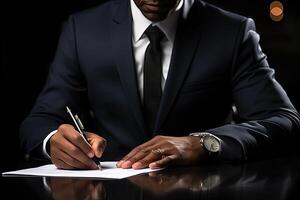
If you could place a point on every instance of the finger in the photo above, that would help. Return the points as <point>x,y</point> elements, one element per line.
<point>132,153</point>
<point>164,162</point>
<point>98,144</point>
<point>144,148</point>
<point>61,164</point>
<point>59,154</point>
<point>76,153</point>
<point>146,161</point>
<point>167,149</point>
<point>138,156</point>
<point>75,138</point>
<point>138,161</point>
<point>135,158</point>
<point>98,147</point>
<point>76,163</point>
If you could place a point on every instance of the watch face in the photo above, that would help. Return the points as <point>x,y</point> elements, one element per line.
<point>212,144</point>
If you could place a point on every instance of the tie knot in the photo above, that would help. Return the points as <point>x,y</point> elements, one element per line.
<point>154,34</point>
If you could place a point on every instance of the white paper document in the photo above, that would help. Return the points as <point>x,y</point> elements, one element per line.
<point>109,171</point>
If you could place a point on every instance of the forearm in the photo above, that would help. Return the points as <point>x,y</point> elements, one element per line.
<point>33,131</point>
<point>259,137</point>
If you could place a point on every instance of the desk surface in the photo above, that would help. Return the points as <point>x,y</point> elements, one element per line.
<point>269,179</point>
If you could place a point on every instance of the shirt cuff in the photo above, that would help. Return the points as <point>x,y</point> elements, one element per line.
<point>46,140</point>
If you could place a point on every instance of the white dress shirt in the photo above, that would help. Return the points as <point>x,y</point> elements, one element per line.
<point>140,42</point>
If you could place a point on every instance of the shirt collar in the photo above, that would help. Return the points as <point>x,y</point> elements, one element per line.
<point>168,25</point>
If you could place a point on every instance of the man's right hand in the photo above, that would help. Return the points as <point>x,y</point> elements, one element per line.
<point>68,149</point>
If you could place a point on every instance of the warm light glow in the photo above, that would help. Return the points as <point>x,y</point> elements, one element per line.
<point>276,18</point>
<point>276,11</point>
<point>276,4</point>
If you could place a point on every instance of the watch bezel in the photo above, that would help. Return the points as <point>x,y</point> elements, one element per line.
<point>202,136</point>
<point>211,137</point>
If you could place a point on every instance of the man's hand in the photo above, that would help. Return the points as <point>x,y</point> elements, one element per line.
<point>68,149</point>
<point>162,151</point>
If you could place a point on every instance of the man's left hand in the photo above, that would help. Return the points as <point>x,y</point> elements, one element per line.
<point>163,151</point>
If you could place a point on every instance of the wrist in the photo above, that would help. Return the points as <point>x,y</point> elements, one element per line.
<point>210,143</point>
<point>199,153</point>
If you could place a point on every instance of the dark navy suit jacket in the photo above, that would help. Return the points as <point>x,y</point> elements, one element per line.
<point>216,62</point>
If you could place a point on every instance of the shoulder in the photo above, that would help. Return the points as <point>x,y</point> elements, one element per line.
<point>100,12</point>
<point>216,12</point>
<point>220,17</point>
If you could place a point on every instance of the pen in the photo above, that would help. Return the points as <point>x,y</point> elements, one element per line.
<point>81,131</point>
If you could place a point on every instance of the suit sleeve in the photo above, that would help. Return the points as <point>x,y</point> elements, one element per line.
<point>65,86</point>
<point>268,119</point>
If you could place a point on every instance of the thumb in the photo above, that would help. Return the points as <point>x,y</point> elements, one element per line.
<point>98,146</point>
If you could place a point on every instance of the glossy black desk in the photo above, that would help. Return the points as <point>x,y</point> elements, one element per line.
<point>269,179</point>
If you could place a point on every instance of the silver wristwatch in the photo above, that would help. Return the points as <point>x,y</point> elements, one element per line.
<point>209,142</point>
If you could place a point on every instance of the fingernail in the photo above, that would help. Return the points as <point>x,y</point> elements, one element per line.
<point>137,165</point>
<point>100,154</point>
<point>126,164</point>
<point>153,165</point>
<point>91,154</point>
<point>120,163</point>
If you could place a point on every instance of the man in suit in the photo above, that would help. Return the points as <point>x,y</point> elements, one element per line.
<point>159,78</point>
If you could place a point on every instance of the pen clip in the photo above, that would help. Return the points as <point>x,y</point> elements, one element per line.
<point>79,122</point>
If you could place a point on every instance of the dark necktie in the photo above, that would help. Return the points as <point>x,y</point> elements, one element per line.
<point>152,76</point>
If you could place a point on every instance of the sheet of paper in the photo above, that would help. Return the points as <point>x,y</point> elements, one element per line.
<point>109,171</point>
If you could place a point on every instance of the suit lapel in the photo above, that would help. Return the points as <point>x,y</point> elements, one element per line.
<point>121,37</point>
<point>185,45</point>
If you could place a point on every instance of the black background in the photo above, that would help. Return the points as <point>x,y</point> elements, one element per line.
<point>29,33</point>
